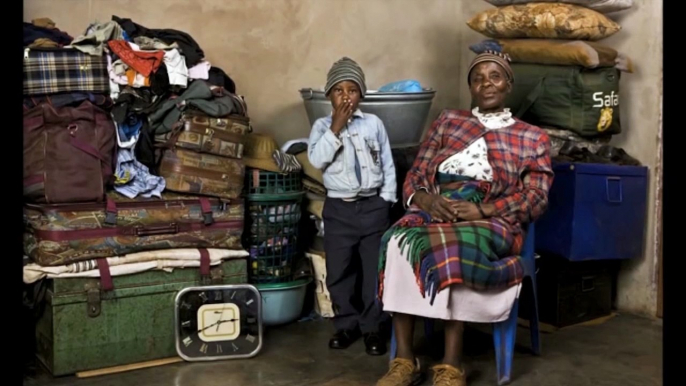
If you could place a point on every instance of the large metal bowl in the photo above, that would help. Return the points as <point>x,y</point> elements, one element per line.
<point>403,114</point>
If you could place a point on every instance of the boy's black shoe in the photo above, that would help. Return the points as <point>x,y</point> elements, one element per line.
<point>344,338</point>
<point>374,344</point>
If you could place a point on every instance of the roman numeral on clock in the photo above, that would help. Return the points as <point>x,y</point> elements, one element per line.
<point>235,348</point>
<point>203,348</point>
<point>186,324</point>
<point>187,342</point>
<point>203,296</point>
<point>219,349</point>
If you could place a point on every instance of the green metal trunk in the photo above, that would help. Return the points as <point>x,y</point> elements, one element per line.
<point>83,328</point>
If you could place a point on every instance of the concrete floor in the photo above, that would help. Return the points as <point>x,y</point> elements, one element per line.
<point>624,351</point>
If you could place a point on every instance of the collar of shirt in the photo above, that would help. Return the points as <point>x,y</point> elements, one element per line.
<point>358,113</point>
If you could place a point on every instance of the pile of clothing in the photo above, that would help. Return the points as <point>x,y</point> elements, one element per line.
<point>150,160</point>
<point>566,82</point>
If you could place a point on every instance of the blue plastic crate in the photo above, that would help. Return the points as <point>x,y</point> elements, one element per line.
<point>595,212</point>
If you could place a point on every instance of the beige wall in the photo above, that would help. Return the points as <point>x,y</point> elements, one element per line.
<point>272,48</point>
<point>641,93</point>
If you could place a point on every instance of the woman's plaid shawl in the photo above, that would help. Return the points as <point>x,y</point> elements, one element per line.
<point>466,252</point>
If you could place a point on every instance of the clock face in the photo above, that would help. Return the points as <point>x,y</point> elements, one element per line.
<point>218,322</point>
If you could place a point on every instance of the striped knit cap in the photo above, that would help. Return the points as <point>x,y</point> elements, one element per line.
<point>345,69</point>
<point>492,56</point>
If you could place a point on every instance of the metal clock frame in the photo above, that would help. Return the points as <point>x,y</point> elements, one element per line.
<point>215,288</point>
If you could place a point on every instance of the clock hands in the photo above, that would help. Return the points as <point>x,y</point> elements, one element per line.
<point>220,316</point>
<point>217,324</point>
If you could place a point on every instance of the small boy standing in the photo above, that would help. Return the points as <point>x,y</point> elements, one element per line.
<point>353,152</point>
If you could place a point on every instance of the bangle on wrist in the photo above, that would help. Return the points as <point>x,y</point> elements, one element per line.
<point>481,210</point>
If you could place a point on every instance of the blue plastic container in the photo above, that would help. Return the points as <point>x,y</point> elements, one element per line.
<point>595,212</point>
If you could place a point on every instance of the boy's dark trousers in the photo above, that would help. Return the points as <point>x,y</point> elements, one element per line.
<point>352,236</point>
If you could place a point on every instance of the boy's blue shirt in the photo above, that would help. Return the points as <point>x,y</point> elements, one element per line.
<point>335,156</point>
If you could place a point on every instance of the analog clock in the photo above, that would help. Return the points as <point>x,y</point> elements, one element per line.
<point>218,322</point>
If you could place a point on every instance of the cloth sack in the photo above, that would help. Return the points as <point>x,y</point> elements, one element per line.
<point>557,52</point>
<point>545,21</point>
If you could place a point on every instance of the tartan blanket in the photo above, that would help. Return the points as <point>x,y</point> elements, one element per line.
<point>480,254</point>
<point>64,70</point>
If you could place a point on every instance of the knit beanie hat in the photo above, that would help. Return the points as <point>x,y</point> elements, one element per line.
<point>345,69</point>
<point>491,56</point>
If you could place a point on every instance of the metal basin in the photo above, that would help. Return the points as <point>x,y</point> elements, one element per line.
<point>403,114</point>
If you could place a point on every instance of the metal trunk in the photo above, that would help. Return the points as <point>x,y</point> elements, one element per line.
<point>83,328</point>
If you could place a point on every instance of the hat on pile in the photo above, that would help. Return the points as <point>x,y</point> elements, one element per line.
<point>258,150</point>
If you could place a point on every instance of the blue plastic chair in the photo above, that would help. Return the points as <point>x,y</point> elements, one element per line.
<point>505,332</point>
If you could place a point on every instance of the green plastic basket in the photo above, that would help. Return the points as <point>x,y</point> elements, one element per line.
<point>271,236</point>
<point>265,185</point>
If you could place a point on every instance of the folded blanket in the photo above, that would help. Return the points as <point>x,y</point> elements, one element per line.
<point>166,260</point>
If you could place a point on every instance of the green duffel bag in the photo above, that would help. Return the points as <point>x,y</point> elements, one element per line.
<point>585,101</point>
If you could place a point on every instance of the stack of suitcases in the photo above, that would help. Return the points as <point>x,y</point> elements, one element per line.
<point>110,264</point>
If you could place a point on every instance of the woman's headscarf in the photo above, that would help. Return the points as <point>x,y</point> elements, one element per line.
<point>492,56</point>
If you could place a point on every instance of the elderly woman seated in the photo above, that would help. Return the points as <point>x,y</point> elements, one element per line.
<point>480,177</point>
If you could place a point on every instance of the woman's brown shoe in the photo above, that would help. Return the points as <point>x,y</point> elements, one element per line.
<point>447,375</point>
<point>402,372</point>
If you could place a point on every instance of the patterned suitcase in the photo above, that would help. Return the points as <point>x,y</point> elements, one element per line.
<point>201,133</point>
<point>62,70</point>
<point>190,172</point>
<point>66,233</point>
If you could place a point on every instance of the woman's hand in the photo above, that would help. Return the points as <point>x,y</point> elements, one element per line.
<point>469,211</point>
<point>438,207</point>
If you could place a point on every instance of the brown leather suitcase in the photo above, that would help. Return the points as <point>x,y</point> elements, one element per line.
<point>65,233</point>
<point>189,172</point>
<point>201,133</point>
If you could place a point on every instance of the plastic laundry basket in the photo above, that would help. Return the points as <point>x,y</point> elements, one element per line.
<point>271,236</point>
<point>266,185</point>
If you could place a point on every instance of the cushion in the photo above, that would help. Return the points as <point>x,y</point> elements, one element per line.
<point>543,21</point>
<point>557,52</point>
<point>602,6</point>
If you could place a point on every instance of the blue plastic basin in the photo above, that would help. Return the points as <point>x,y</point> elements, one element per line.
<point>282,302</point>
